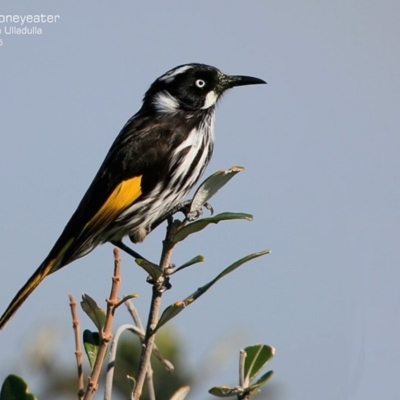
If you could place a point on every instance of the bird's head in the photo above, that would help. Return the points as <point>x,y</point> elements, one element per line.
<point>192,87</point>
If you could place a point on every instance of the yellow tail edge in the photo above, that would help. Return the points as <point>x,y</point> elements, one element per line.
<point>47,267</point>
<point>26,290</point>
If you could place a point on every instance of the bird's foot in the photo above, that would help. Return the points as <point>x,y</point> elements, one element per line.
<point>162,286</point>
<point>183,207</point>
<point>196,214</point>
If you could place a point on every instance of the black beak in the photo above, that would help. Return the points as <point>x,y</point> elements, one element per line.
<point>240,80</point>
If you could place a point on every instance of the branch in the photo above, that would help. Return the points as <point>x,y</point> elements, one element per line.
<point>78,351</point>
<point>136,318</point>
<point>158,288</point>
<point>105,333</point>
<point>134,314</point>
<point>111,361</point>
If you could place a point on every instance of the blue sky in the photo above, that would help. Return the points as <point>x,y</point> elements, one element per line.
<point>320,144</point>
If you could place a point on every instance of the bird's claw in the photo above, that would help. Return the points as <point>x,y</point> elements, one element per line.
<point>208,206</point>
<point>196,214</point>
<point>161,286</point>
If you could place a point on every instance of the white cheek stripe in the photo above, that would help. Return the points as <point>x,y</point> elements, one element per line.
<point>210,100</point>
<point>170,75</point>
<point>165,103</point>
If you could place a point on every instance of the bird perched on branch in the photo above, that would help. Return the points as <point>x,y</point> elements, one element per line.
<point>153,163</point>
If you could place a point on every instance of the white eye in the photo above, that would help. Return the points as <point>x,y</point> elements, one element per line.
<point>200,83</point>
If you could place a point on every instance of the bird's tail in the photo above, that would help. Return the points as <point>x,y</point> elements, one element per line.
<point>48,266</point>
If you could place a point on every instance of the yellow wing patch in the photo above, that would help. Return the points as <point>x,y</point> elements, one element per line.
<point>122,196</point>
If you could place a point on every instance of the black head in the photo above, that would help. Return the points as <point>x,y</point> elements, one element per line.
<point>192,87</point>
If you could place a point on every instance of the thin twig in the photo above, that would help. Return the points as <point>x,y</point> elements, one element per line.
<point>242,359</point>
<point>148,342</point>
<point>150,382</point>
<point>78,348</point>
<point>112,357</point>
<point>105,333</point>
<point>158,288</point>
<point>243,380</point>
<point>134,314</point>
<point>149,376</point>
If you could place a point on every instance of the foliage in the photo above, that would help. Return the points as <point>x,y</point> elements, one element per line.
<point>134,358</point>
<point>15,388</point>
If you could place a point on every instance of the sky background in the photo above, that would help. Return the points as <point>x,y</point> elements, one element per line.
<point>320,144</point>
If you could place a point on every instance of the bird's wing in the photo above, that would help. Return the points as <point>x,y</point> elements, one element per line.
<point>133,166</point>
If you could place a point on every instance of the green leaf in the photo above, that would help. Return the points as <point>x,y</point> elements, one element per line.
<point>200,224</point>
<point>95,313</point>
<point>181,393</point>
<point>126,298</point>
<point>264,378</point>
<point>211,186</point>
<point>193,261</point>
<point>225,391</point>
<point>174,309</point>
<point>15,388</point>
<point>257,357</point>
<point>91,343</point>
<point>152,269</point>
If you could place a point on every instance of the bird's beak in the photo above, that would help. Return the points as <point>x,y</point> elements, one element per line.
<point>240,80</point>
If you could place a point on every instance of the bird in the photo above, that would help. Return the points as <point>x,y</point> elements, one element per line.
<point>156,159</point>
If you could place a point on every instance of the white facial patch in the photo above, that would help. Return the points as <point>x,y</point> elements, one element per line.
<point>210,100</point>
<point>170,76</point>
<point>165,103</point>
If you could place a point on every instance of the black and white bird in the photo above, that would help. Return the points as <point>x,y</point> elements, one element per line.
<point>153,163</point>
